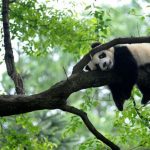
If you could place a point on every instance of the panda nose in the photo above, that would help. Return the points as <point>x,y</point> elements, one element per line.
<point>104,64</point>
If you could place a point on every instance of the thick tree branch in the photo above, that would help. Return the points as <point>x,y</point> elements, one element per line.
<point>54,97</point>
<point>9,58</point>
<point>57,95</point>
<point>89,125</point>
<point>80,65</point>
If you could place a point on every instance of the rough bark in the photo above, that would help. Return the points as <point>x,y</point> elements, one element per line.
<point>57,95</point>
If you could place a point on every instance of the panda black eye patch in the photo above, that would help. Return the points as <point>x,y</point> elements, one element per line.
<point>87,68</point>
<point>102,55</point>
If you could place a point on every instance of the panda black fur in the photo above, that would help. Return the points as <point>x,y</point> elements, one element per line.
<point>124,60</point>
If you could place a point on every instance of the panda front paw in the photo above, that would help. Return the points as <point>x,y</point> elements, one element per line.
<point>119,105</point>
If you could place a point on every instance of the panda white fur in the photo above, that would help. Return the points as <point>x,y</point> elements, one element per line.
<point>124,60</point>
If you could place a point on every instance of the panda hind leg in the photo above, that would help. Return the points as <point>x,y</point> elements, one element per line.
<point>145,99</point>
<point>146,93</point>
<point>119,95</point>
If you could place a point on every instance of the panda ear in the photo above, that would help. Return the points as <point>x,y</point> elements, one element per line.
<point>95,44</point>
<point>87,68</point>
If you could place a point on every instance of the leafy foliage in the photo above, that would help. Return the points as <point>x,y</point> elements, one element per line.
<point>42,28</point>
<point>91,143</point>
<point>20,132</point>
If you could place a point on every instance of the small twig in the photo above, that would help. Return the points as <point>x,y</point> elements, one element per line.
<point>65,72</point>
<point>144,120</point>
<point>89,125</point>
<point>138,29</point>
<point>135,147</point>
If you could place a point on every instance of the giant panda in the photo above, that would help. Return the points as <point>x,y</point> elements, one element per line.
<point>124,60</point>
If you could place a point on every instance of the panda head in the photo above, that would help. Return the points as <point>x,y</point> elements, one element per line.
<point>103,60</point>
